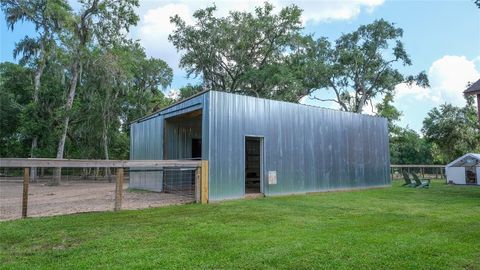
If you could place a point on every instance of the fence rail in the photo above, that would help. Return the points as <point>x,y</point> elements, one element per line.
<point>89,163</point>
<point>199,166</point>
<point>433,171</point>
<point>417,166</point>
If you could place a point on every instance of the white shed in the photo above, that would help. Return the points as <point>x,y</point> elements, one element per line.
<point>465,170</point>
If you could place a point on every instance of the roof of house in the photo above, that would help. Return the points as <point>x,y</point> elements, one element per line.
<point>473,89</point>
<point>466,160</point>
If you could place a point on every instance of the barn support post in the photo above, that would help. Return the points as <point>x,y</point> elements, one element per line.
<point>119,190</point>
<point>204,182</point>
<point>26,180</point>
<point>198,177</point>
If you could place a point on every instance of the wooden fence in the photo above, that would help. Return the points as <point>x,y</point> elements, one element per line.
<point>201,172</point>
<point>434,171</point>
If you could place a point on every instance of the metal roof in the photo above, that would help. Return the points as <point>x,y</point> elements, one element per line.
<point>469,159</point>
<point>473,89</point>
<point>158,112</point>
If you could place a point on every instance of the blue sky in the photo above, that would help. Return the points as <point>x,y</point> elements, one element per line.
<point>441,37</point>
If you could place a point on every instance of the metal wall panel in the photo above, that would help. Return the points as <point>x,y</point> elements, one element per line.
<point>147,134</point>
<point>311,149</point>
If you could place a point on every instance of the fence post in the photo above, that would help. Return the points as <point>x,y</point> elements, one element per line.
<point>198,177</point>
<point>118,190</point>
<point>204,182</point>
<point>26,180</point>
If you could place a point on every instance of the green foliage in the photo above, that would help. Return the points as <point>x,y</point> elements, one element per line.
<point>16,90</point>
<point>248,53</point>
<point>118,83</point>
<point>407,147</point>
<point>387,110</point>
<point>453,130</point>
<point>360,65</point>
<point>391,228</point>
<point>263,53</point>
<point>189,90</point>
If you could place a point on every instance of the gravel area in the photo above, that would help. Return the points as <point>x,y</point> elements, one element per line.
<point>76,197</point>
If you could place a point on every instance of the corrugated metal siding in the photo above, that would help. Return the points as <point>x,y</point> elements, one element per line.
<point>312,149</point>
<point>179,137</point>
<point>146,144</point>
<point>147,136</point>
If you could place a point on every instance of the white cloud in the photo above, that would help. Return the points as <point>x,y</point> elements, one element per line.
<point>154,30</point>
<point>154,26</point>
<point>317,11</point>
<point>173,94</point>
<point>448,77</point>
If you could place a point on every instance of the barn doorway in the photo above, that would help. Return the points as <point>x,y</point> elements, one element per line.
<point>182,140</point>
<point>196,148</point>
<point>253,165</point>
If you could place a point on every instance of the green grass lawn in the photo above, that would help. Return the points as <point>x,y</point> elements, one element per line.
<point>391,228</point>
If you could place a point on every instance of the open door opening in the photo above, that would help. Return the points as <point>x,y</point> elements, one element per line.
<point>253,165</point>
<point>470,175</point>
<point>182,140</point>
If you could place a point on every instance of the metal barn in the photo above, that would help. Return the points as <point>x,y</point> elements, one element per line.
<point>256,145</point>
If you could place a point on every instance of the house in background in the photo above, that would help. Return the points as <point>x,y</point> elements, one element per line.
<point>473,90</point>
<point>464,170</point>
<point>262,146</point>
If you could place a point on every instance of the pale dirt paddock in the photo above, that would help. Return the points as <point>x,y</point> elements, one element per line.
<point>76,197</point>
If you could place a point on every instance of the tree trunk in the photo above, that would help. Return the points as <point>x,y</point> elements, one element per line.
<point>105,145</point>
<point>57,175</point>
<point>36,98</point>
<point>478,108</point>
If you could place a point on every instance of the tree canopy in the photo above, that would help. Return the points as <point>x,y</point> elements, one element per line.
<point>82,78</point>
<point>453,130</point>
<point>246,53</point>
<point>360,65</point>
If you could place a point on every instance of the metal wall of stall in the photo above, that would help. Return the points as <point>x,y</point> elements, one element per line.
<point>311,149</point>
<point>147,139</point>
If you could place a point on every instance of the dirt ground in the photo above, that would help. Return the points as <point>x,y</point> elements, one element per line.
<point>76,197</point>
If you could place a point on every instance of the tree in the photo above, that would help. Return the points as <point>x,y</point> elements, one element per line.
<point>357,69</point>
<point>255,54</point>
<point>109,80</point>
<point>48,17</point>
<point>406,145</point>
<point>189,90</point>
<point>387,110</point>
<point>453,130</point>
<point>98,21</point>
<point>16,90</point>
